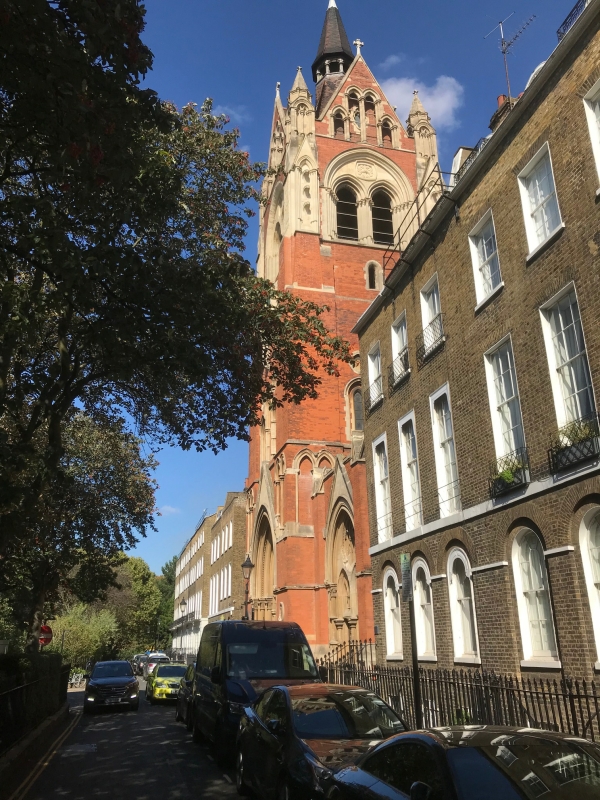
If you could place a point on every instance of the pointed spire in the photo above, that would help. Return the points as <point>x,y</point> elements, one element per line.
<point>300,83</point>
<point>334,46</point>
<point>417,105</point>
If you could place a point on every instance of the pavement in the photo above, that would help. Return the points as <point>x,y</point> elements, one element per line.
<point>121,755</point>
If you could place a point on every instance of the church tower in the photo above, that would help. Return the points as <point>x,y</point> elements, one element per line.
<point>344,173</point>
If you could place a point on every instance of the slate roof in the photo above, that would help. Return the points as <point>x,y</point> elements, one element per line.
<point>334,40</point>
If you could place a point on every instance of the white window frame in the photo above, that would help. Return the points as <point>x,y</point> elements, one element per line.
<point>480,292</point>
<point>426,317</point>
<point>446,509</point>
<point>532,241</point>
<point>460,657</point>
<point>593,96</point>
<point>423,655</point>
<point>499,442</point>
<point>398,346</point>
<point>548,660</point>
<point>374,358</point>
<point>557,393</point>
<point>592,590</point>
<point>384,530</point>
<point>393,653</point>
<point>416,518</point>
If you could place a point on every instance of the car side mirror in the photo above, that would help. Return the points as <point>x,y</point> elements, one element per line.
<point>420,791</point>
<point>215,675</point>
<point>275,727</point>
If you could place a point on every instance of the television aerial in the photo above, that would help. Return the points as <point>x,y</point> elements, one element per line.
<point>506,45</point>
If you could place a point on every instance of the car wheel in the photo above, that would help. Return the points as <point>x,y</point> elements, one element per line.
<point>240,783</point>
<point>197,735</point>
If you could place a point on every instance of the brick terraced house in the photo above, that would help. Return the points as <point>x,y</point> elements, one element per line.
<point>345,171</point>
<point>480,362</point>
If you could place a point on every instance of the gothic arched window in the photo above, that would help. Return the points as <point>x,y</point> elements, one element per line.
<point>358,410</point>
<point>347,214</point>
<point>383,226</point>
<point>386,134</point>
<point>338,126</point>
<point>372,276</point>
<point>354,109</point>
<point>371,120</point>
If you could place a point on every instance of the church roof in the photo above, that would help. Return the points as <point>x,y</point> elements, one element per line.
<point>334,39</point>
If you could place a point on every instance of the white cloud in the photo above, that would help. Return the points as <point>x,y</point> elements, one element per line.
<point>167,511</point>
<point>392,61</point>
<point>442,100</point>
<point>237,114</point>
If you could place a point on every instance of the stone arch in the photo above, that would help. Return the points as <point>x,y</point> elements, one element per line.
<point>341,575</point>
<point>263,575</point>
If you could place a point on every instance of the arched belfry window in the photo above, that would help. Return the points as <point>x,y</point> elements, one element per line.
<point>354,109</point>
<point>371,120</point>
<point>338,126</point>
<point>383,226</point>
<point>347,214</point>
<point>372,276</point>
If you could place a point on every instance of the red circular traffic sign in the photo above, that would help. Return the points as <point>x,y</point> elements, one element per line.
<point>45,635</point>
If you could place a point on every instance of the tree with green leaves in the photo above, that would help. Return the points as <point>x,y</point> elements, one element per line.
<point>84,633</point>
<point>123,289</point>
<point>97,506</point>
<point>166,586</point>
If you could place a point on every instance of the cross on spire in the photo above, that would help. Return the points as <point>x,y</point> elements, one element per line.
<point>358,44</point>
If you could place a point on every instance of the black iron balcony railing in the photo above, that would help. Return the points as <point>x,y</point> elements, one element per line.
<point>576,442</point>
<point>509,473</point>
<point>413,514</point>
<point>399,369</point>
<point>574,15</point>
<point>374,395</point>
<point>449,499</point>
<point>385,528</point>
<point>468,162</point>
<point>430,340</point>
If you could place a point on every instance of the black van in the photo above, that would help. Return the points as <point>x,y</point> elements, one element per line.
<point>236,661</point>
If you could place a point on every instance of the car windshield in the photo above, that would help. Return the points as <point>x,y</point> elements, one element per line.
<point>171,671</point>
<point>118,669</point>
<point>345,715</point>
<point>158,660</point>
<point>270,657</point>
<point>518,766</point>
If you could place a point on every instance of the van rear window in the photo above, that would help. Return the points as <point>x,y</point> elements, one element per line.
<point>270,659</point>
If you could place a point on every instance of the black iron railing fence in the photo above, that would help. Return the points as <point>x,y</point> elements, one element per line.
<point>509,472</point>
<point>430,339</point>
<point>374,395</point>
<point>399,369</point>
<point>455,697</point>
<point>574,15</point>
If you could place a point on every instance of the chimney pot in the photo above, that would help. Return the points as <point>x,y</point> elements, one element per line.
<point>501,100</point>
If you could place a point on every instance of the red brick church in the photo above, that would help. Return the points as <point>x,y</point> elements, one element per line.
<point>345,173</point>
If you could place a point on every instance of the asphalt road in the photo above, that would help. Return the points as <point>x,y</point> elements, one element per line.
<point>126,755</point>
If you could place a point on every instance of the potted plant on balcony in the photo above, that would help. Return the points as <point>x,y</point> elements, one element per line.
<point>576,442</point>
<point>509,475</point>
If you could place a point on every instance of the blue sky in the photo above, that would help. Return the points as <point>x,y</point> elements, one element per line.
<point>235,51</point>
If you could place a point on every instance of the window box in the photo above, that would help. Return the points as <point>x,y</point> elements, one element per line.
<point>430,340</point>
<point>509,473</point>
<point>576,442</point>
<point>399,370</point>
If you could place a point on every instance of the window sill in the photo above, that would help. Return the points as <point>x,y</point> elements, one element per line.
<point>429,659</point>
<point>539,663</point>
<point>537,251</point>
<point>395,657</point>
<point>489,297</point>
<point>467,660</point>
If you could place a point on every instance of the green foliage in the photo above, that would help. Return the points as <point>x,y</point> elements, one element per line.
<point>89,634</point>
<point>166,587</point>
<point>123,291</point>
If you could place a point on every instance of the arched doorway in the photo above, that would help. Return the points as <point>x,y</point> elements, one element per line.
<point>343,603</point>
<point>264,573</point>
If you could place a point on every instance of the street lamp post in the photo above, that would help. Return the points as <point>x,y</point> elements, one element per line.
<point>182,608</point>
<point>247,568</point>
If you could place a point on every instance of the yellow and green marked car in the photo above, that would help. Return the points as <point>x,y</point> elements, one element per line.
<point>163,682</point>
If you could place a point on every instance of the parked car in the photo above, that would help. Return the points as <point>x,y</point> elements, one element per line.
<point>163,682</point>
<point>183,709</point>
<point>293,738</point>
<point>469,762</point>
<point>236,661</point>
<point>152,660</point>
<point>112,683</point>
<point>135,662</point>
<point>139,668</point>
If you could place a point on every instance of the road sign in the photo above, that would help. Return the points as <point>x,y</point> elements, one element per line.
<point>45,635</point>
<point>407,587</point>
